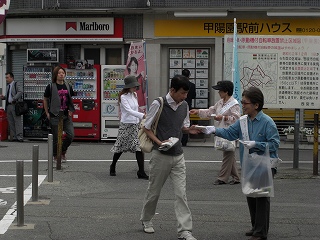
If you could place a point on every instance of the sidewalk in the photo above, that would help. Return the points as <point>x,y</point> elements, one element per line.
<point>84,202</point>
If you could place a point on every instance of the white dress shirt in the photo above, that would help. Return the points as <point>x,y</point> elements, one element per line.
<point>129,108</point>
<point>155,105</point>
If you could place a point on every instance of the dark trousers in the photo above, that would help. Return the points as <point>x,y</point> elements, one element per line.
<point>260,213</point>
<point>67,128</point>
<point>259,209</point>
<point>184,139</point>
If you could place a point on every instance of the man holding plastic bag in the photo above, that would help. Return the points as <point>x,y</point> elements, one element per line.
<point>260,141</point>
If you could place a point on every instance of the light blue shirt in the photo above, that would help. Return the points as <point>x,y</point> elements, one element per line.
<point>261,129</point>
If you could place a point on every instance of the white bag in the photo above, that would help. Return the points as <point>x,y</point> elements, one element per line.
<point>224,144</point>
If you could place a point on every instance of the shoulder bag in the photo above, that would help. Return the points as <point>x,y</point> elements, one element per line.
<point>21,107</point>
<point>146,144</point>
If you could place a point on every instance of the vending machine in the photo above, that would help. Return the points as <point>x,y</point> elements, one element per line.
<point>111,84</point>
<point>85,81</point>
<point>35,80</point>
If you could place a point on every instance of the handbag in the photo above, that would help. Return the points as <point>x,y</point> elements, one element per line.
<point>21,108</point>
<point>146,144</point>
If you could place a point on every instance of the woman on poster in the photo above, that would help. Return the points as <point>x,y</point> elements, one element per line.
<point>132,69</point>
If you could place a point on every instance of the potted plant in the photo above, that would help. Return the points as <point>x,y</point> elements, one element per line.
<point>289,131</point>
<point>309,132</point>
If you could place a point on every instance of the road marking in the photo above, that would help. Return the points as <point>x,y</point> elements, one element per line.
<point>7,190</point>
<point>11,214</point>
<point>134,160</point>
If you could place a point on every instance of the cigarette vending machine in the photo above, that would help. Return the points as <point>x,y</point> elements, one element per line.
<point>86,87</point>
<point>35,80</point>
<point>111,84</point>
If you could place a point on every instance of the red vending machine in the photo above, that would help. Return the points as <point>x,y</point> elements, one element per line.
<point>85,81</point>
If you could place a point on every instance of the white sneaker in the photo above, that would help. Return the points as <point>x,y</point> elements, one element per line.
<point>148,227</point>
<point>186,235</point>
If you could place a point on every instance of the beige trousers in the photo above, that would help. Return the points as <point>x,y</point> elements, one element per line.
<point>229,167</point>
<point>161,167</point>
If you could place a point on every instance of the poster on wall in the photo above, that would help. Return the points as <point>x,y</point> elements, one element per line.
<point>201,103</point>
<point>175,63</point>
<point>197,62</point>
<point>201,83</point>
<point>285,68</point>
<point>136,66</point>
<point>175,53</point>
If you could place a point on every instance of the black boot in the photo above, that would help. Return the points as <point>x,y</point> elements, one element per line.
<point>140,159</point>
<point>142,175</point>
<point>112,170</point>
<point>116,157</point>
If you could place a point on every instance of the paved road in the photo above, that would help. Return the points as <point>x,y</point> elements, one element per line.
<point>84,202</point>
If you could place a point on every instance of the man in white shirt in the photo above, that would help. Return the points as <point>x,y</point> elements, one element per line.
<point>173,121</point>
<point>13,95</point>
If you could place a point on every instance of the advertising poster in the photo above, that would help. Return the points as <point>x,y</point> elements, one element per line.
<point>285,68</point>
<point>136,66</point>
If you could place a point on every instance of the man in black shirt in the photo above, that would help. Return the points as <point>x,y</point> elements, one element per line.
<point>191,95</point>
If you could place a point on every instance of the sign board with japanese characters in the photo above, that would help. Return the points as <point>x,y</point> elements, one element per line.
<point>285,68</point>
<point>220,27</point>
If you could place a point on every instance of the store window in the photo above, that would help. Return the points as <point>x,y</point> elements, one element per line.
<point>113,56</point>
<point>197,61</point>
<point>92,53</point>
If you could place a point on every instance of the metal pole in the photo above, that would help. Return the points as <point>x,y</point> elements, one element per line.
<point>315,144</point>
<point>20,197</point>
<point>50,158</point>
<point>59,144</point>
<point>296,139</point>
<point>35,172</point>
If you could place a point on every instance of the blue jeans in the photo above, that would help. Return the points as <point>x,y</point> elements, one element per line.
<point>67,128</point>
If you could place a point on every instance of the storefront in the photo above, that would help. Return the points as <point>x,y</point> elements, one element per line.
<point>170,36</point>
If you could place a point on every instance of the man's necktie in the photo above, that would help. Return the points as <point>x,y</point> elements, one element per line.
<point>8,94</point>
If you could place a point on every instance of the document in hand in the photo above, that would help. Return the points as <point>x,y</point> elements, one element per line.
<point>167,145</point>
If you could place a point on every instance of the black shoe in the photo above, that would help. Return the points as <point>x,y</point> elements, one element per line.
<point>112,170</point>
<point>249,233</point>
<point>218,182</point>
<point>20,140</point>
<point>142,175</point>
<point>233,182</point>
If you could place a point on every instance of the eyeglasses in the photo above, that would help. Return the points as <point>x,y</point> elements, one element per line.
<point>245,103</point>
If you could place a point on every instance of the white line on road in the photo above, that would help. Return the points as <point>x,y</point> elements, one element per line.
<point>134,160</point>
<point>7,220</point>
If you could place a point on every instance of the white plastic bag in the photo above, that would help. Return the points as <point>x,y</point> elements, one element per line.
<point>221,143</point>
<point>256,175</point>
<point>224,144</point>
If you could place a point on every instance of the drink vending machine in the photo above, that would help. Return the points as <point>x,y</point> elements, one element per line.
<point>35,80</point>
<point>111,84</point>
<point>86,87</point>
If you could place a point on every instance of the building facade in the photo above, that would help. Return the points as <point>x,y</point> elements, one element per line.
<point>178,34</point>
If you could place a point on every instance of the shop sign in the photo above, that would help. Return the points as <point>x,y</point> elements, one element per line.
<point>63,29</point>
<point>218,27</point>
